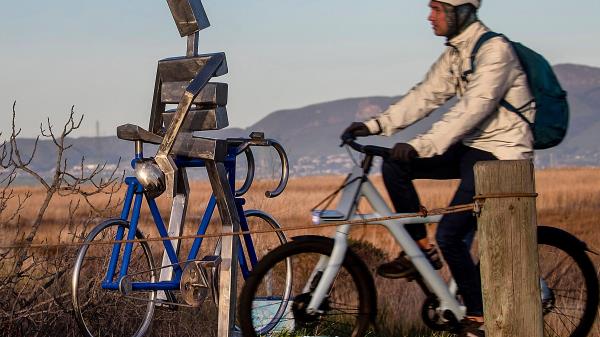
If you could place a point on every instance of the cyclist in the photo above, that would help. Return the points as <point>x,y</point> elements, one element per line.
<point>475,129</point>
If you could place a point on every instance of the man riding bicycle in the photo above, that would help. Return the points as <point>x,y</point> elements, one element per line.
<point>476,128</point>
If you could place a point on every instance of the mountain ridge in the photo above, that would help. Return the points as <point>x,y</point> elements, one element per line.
<point>310,134</point>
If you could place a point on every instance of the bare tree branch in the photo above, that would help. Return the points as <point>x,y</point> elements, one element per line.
<point>32,282</point>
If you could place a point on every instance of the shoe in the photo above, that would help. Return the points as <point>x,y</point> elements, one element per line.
<point>401,267</point>
<point>470,328</point>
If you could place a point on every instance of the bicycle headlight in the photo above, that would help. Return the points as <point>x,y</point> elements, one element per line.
<point>151,177</point>
<point>316,217</point>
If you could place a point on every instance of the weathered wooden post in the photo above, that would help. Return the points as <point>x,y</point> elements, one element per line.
<point>508,248</point>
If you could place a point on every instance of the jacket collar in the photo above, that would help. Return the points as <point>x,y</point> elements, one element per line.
<point>468,36</point>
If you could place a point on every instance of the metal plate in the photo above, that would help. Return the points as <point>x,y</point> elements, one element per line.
<point>200,120</point>
<point>178,69</point>
<point>133,132</point>
<point>202,148</point>
<point>189,16</point>
<point>213,94</point>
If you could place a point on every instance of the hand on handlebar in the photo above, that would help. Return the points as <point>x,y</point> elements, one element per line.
<point>403,152</point>
<point>356,129</point>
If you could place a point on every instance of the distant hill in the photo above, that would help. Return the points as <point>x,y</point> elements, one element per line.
<point>311,134</point>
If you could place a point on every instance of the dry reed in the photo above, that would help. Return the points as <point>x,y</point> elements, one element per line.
<point>568,198</point>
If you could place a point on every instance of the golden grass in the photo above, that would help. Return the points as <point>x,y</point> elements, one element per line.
<point>568,198</point>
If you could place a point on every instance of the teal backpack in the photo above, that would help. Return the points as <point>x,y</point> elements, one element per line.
<point>552,110</point>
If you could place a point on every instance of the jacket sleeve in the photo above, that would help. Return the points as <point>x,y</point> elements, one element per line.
<point>437,88</point>
<point>493,76</point>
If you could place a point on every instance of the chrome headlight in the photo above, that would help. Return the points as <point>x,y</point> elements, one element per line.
<point>151,177</point>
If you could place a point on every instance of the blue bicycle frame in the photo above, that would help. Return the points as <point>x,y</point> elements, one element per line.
<point>135,194</point>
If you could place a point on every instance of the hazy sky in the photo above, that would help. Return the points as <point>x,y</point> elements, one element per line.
<point>101,55</point>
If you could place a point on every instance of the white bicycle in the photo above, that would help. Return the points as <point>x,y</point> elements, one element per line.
<point>333,292</point>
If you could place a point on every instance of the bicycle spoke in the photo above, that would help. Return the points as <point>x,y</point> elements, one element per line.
<point>97,307</point>
<point>556,267</point>
<point>340,311</point>
<point>546,325</point>
<point>558,312</point>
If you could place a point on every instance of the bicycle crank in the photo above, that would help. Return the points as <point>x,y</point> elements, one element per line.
<point>196,281</point>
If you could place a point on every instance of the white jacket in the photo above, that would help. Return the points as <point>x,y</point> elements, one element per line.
<point>476,119</point>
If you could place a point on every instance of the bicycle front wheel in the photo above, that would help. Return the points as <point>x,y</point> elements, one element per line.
<point>569,284</point>
<point>347,309</point>
<point>102,312</point>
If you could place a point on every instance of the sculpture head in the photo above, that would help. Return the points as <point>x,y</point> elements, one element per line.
<point>189,16</point>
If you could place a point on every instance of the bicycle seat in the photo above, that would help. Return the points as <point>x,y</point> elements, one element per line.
<point>321,216</point>
<point>136,133</point>
<point>332,215</point>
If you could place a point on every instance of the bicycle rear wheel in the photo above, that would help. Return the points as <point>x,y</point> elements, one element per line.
<point>569,284</point>
<point>253,248</point>
<point>101,312</point>
<point>347,310</point>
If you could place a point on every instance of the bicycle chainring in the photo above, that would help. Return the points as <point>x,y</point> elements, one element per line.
<point>195,286</point>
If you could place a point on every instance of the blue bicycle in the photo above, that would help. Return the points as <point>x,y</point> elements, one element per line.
<point>124,280</point>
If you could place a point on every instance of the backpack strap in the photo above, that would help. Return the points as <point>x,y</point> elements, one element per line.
<point>516,110</point>
<point>483,39</point>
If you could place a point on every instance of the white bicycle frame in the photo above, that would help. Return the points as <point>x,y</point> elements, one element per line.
<point>360,186</point>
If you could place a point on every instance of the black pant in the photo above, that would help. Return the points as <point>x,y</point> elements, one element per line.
<point>454,230</point>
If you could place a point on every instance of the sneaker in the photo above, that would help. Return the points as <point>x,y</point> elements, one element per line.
<point>401,267</point>
<point>470,328</point>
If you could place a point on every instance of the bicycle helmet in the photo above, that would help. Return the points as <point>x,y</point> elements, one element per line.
<point>475,3</point>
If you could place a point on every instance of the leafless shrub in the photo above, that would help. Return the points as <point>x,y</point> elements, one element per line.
<point>34,291</point>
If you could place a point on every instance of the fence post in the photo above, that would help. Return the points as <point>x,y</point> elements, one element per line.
<point>508,249</point>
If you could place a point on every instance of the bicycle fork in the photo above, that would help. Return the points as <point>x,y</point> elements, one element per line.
<point>327,270</point>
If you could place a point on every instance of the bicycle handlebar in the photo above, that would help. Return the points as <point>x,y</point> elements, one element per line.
<point>257,139</point>
<point>372,150</point>
<point>249,173</point>
<point>285,170</point>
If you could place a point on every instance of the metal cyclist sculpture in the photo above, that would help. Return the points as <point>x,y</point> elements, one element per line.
<point>201,106</point>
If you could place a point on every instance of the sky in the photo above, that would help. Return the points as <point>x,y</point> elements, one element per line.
<point>101,56</point>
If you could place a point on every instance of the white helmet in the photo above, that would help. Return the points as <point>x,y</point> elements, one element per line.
<point>455,3</point>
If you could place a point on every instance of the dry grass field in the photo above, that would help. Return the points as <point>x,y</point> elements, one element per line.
<point>569,199</point>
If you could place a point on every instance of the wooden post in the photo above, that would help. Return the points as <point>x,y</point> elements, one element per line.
<point>508,249</point>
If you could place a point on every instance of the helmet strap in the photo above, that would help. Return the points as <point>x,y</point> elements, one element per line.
<point>459,18</point>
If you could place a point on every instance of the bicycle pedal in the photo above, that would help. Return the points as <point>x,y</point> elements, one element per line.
<point>211,261</point>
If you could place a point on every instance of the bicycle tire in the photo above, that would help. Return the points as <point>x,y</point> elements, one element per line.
<point>582,281</point>
<point>281,239</point>
<point>89,299</point>
<point>353,271</point>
